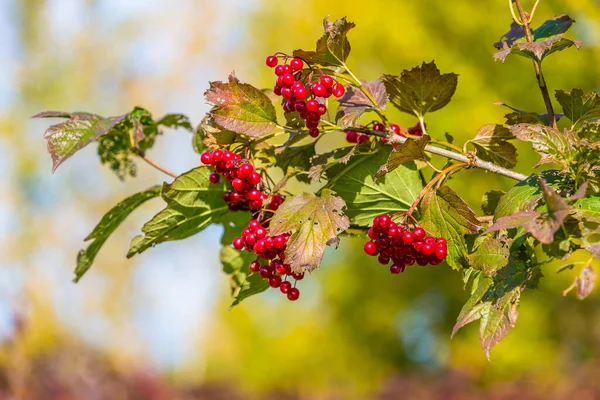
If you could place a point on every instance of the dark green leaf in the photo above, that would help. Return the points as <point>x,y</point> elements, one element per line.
<point>107,225</point>
<point>421,90</point>
<point>193,203</point>
<point>253,284</point>
<point>333,47</point>
<point>410,150</point>
<point>490,201</point>
<point>175,121</point>
<point>241,108</point>
<point>296,158</point>
<point>364,197</point>
<point>491,145</point>
<point>579,106</point>
<point>355,102</point>
<point>314,222</point>
<point>445,214</point>
<point>553,26</point>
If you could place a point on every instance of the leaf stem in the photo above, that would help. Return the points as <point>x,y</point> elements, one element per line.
<point>432,182</point>
<point>473,161</point>
<point>157,165</point>
<point>537,65</point>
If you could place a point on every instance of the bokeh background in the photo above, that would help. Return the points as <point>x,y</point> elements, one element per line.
<point>158,326</point>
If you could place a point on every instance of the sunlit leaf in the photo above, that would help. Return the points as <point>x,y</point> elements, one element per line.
<point>579,106</point>
<point>410,150</point>
<point>355,102</point>
<point>333,47</point>
<point>491,145</point>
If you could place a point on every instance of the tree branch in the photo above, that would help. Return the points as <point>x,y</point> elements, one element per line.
<point>537,65</point>
<point>157,166</point>
<point>472,161</point>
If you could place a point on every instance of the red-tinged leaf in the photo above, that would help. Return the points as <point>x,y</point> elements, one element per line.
<point>355,102</point>
<point>552,145</point>
<point>333,47</point>
<point>538,50</point>
<point>421,90</point>
<point>497,320</point>
<point>580,193</point>
<point>517,220</point>
<point>314,222</point>
<point>408,151</point>
<point>241,108</point>
<point>66,138</point>
<point>584,283</point>
<point>579,106</point>
<point>490,256</point>
<point>445,214</point>
<point>491,145</point>
<point>63,114</point>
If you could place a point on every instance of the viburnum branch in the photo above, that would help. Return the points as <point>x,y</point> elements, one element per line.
<point>474,161</point>
<point>156,165</point>
<point>537,65</point>
<point>432,182</point>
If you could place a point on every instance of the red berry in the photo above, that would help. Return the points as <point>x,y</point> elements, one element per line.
<point>287,69</point>
<point>287,79</point>
<point>298,276</point>
<point>362,138</point>
<point>326,81</point>
<point>214,177</point>
<point>217,156</point>
<point>277,90</point>
<point>428,249</point>
<point>408,237</point>
<point>441,252</point>
<point>312,124</point>
<point>300,106</point>
<point>285,287</point>
<point>250,239</point>
<point>254,266</point>
<point>384,221</point>
<point>293,294</point>
<point>275,281</point>
<point>338,90</point>
<point>351,137</point>
<point>255,204</point>
<point>419,233</point>
<point>265,272</point>
<point>272,61</point>
<point>418,245</point>
<point>311,105</point>
<point>370,248</point>
<point>228,156</point>
<point>319,90</point>
<point>279,242</point>
<point>301,93</point>
<point>238,243</point>
<point>279,70</point>
<point>253,178</point>
<point>395,269</point>
<point>287,93</point>
<point>254,224</point>
<point>254,195</point>
<point>206,158</point>
<point>296,64</point>
<point>314,132</point>
<point>245,170</point>
<point>322,109</point>
<point>238,184</point>
<point>442,241</point>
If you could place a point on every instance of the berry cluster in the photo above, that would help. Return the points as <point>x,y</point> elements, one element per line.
<point>255,239</point>
<point>300,98</point>
<point>402,246</point>
<point>244,180</point>
<point>355,137</point>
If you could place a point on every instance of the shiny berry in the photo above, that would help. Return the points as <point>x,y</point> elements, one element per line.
<point>314,132</point>
<point>293,294</point>
<point>245,170</point>
<point>217,156</point>
<point>287,79</point>
<point>362,138</point>
<point>275,281</point>
<point>441,252</point>
<point>285,287</point>
<point>338,90</point>
<point>279,70</point>
<point>301,93</point>
<point>296,64</point>
<point>298,276</point>
<point>326,81</point>
<point>238,243</point>
<point>253,178</point>
<point>214,177</point>
<point>370,248</point>
<point>351,137</point>
<point>322,109</point>
<point>238,184</point>
<point>395,269</point>
<point>206,158</point>
<point>408,237</point>
<point>419,233</point>
<point>272,61</point>
<point>312,105</point>
<point>319,90</point>
<point>254,266</point>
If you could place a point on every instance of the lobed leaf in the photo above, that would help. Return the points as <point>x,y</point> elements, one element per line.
<point>552,145</point>
<point>490,256</point>
<point>107,225</point>
<point>314,222</point>
<point>241,108</point>
<point>579,106</point>
<point>491,145</point>
<point>538,50</point>
<point>355,102</point>
<point>333,47</point>
<point>421,90</point>
<point>365,199</point>
<point>410,150</point>
<point>445,214</point>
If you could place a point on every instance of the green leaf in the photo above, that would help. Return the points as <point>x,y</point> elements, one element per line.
<point>365,199</point>
<point>254,284</point>
<point>491,255</point>
<point>490,201</point>
<point>588,208</point>
<point>491,145</point>
<point>552,145</point>
<point>538,50</point>
<point>355,102</point>
<point>445,214</point>
<point>107,225</point>
<point>314,222</point>
<point>66,138</point>
<point>421,90</point>
<point>410,150</point>
<point>553,26</point>
<point>579,106</point>
<point>333,47</point>
<point>241,108</point>
<point>296,158</point>
<point>176,121</point>
<point>193,203</point>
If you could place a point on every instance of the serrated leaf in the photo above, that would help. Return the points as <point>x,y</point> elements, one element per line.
<point>537,50</point>
<point>491,255</point>
<point>579,106</point>
<point>490,201</point>
<point>253,284</point>
<point>549,143</point>
<point>107,225</point>
<point>212,136</point>
<point>445,214</point>
<point>421,90</point>
<point>355,102</point>
<point>588,208</point>
<point>296,158</point>
<point>526,117</point>
<point>410,150</point>
<point>241,108</point>
<point>365,199</point>
<point>66,138</point>
<point>314,222</point>
<point>176,121</point>
<point>333,47</point>
<point>193,203</point>
<point>491,145</point>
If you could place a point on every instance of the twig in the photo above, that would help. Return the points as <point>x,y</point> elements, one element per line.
<point>157,166</point>
<point>473,162</point>
<point>537,66</point>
